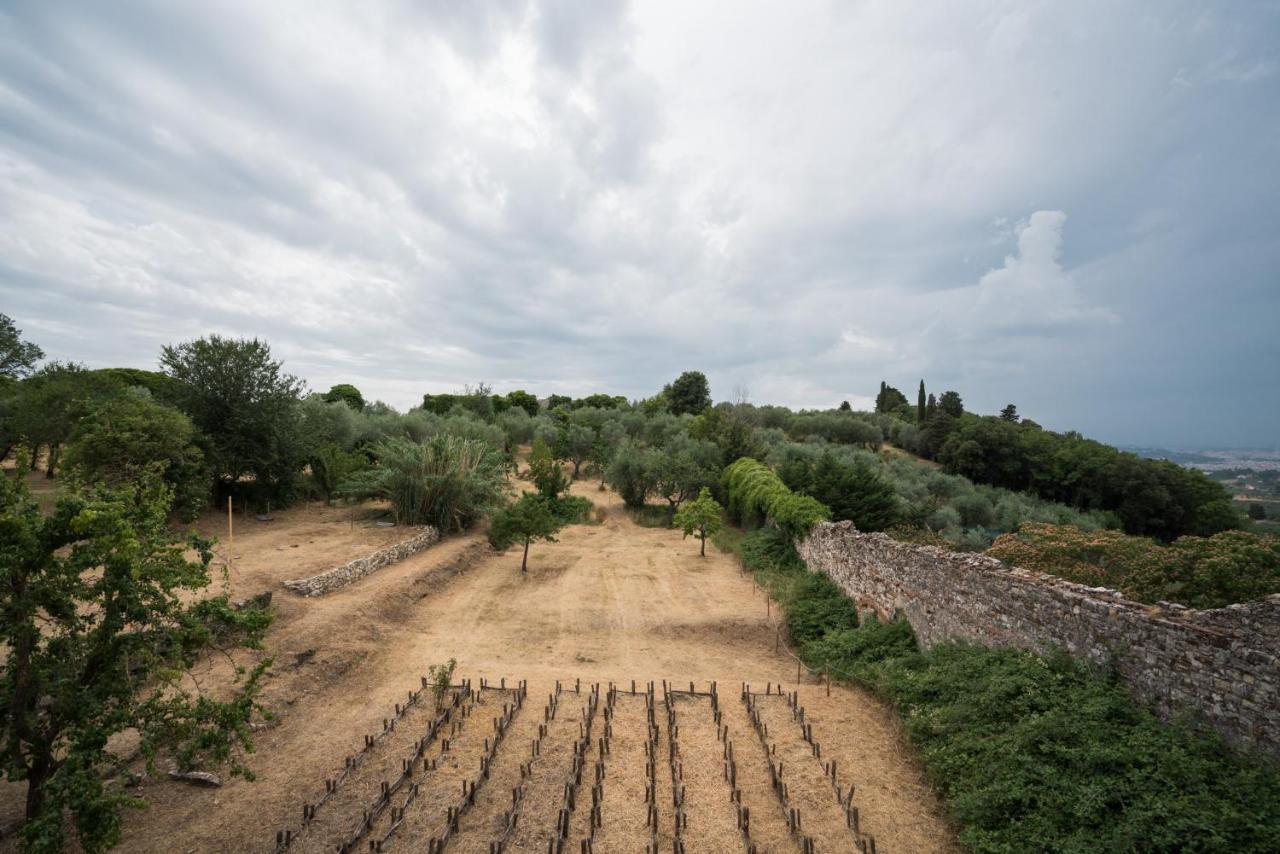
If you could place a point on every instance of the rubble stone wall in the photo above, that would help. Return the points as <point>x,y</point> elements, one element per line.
<point>341,576</point>
<point>1221,665</point>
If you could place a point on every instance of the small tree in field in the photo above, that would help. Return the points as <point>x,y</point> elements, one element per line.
<point>545,471</point>
<point>526,520</point>
<point>103,618</point>
<point>577,442</point>
<point>700,517</point>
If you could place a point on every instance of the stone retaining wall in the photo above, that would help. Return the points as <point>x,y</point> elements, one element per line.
<point>1222,665</point>
<point>341,576</point>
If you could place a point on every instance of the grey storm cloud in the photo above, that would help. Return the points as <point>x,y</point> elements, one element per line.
<point>1068,206</point>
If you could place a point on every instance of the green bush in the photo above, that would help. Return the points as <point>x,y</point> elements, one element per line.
<point>650,516</point>
<point>860,654</point>
<point>1030,753</point>
<point>816,605</point>
<point>1038,754</point>
<point>756,494</point>
<point>572,510</point>
<point>447,481</point>
<point>1200,572</point>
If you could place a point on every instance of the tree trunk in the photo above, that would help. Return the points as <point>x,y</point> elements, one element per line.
<point>53,461</point>
<point>37,777</point>
<point>576,463</point>
<point>703,536</point>
<point>524,561</point>
<point>672,507</point>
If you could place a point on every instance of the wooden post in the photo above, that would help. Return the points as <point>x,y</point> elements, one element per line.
<point>231,537</point>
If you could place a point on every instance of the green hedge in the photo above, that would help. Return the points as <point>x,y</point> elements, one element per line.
<point>1031,753</point>
<point>756,495</point>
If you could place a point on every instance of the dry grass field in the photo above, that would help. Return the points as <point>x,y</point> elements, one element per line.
<point>608,604</point>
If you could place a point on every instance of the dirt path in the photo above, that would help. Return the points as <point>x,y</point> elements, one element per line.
<point>610,602</point>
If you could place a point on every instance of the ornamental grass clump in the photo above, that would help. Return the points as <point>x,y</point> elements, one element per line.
<point>448,482</point>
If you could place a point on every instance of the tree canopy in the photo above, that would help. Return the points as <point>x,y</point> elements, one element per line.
<point>688,393</point>
<point>246,406</point>
<point>529,519</point>
<point>348,394</point>
<point>129,435</point>
<point>103,616</point>
<point>700,517</point>
<point>17,357</point>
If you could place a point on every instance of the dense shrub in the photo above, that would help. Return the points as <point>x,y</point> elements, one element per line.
<point>572,510</point>
<point>1032,754</point>
<point>843,428</point>
<point>129,435</point>
<point>1201,572</point>
<point>852,489</point>
<point>1039,754</point>
<point>815,606</point>
<point>975,515</point>
<point>447,482</point>
<point>1154,498</point>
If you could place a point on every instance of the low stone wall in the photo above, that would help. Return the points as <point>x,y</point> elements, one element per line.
<point>1222,665</point>
<point>341,576</point>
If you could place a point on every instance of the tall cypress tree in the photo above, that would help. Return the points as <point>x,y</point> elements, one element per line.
<point>920,404</point>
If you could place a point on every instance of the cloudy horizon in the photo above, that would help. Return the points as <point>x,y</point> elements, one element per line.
<point>1071,207</point>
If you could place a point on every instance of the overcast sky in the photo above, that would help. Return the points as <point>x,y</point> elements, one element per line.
<point>1072,206</point>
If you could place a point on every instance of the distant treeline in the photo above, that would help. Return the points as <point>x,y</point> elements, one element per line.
<point>1154,498</point>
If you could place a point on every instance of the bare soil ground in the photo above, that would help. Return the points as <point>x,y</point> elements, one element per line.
<point>610,602</point>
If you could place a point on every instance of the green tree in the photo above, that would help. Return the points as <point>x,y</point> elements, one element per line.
<point>517,427</point>
<point>689,393</point>
<point>17,357</point>
<point>631,473</point>
<point>889,398</point>
<point>611,435</point>
<point>524,521</point>
<point>1257,511</point>
<point>246,406</point>
<point>600,401</point>
<point>576,443</point>
<point>937,429</point>
<point>525,401</point>
<point>331,466</point>
<point>845,407</point>
<point>324,422</point>
<point>545,471</point>
<point>951,403</point>
<point>558,401</point>
<point>348,394</point>
<point>701,517</point>
<point>920,404</point>
<point>852,490</point>
<point>680,469</point>
<point>104,615</point>
<point>1010,414</point>
<point>130,434</point>
<point>51,401</point>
